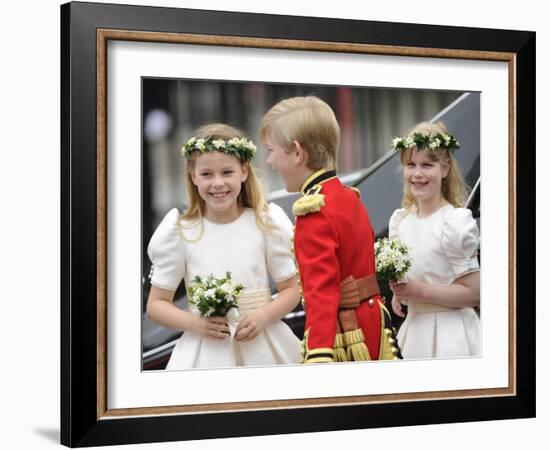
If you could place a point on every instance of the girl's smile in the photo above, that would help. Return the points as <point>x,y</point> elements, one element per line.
<point>219,194</point>
<point>418,185</point>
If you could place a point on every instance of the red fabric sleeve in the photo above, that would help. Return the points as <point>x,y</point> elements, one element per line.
<point>316,246</point>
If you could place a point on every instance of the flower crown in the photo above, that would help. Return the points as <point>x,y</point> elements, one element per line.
<point>240,147</point>
<point>422,141</point>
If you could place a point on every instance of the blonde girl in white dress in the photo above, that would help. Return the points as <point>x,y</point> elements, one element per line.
<point>442,287</point>
<point>228,227</point>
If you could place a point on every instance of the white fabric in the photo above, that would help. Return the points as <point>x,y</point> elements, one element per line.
<point>252,257</point>
<point>250,301</point>
<point>443,248</point>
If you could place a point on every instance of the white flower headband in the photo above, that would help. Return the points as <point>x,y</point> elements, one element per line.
<point>240,147</point>
<point>422,141</point>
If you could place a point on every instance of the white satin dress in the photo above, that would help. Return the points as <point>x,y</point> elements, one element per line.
<point>444,247</point>
<point>252,257</point>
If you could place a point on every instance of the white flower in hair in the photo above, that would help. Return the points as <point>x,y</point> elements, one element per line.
<point>200,144</point>
<point>219,143</point>
<point>434,144</point>
<point>239,147</point>
<point>422,141</point>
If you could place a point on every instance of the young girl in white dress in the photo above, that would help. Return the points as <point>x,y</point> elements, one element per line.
<point>442,287</point>
<point>227,227</point>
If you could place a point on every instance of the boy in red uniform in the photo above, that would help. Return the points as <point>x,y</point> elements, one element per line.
<point>346,319</point>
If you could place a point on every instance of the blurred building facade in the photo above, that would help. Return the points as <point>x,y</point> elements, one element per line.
<point>172,109</point>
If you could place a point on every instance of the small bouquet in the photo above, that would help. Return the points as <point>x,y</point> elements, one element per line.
<point>215,297</point>
<point>392,259</point>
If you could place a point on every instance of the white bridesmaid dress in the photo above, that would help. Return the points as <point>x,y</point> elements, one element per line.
<point>252,257</point>
<point>444,247</point>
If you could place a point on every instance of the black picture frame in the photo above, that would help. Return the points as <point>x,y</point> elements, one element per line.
<point>85,27</point>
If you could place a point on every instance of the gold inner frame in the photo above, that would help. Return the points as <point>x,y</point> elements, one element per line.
<point>104,35</point>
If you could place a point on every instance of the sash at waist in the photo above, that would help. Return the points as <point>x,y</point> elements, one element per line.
<point>419,308</point>
<point>249,301</point>
<point>252,300</point>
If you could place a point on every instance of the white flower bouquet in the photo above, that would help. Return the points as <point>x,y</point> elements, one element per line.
<point>214,297</point>
<point>392,259</point>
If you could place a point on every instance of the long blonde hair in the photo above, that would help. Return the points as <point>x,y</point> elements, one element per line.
<point>453,187</point>
<point>251,195</point>
<point>311,122</point>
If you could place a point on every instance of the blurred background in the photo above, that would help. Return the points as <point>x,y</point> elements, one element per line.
<point>369,118</point>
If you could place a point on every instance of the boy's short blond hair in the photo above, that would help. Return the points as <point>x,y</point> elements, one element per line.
<point>311,122</point>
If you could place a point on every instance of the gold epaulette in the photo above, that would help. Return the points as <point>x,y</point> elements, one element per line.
<point>311,202</point>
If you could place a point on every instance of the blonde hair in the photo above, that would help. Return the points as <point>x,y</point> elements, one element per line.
<point>311,122</point>
<point>453,187</point>
<point>251,195</point>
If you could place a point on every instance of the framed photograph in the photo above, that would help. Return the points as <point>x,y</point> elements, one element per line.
<point>136,81</point>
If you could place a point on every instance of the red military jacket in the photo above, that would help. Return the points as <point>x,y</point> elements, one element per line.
<point>334,239</point>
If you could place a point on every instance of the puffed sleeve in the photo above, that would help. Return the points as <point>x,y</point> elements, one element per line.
<point>280,262</point>
<point>460,241</point>
<point>166,252</point>
<point>395,220</point>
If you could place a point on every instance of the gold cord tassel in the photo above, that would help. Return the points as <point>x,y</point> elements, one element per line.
<point>339,348</point>
<point>355,345</point>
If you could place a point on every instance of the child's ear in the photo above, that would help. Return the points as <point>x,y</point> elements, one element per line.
<point>192,175</point>
<point>300,154</point>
